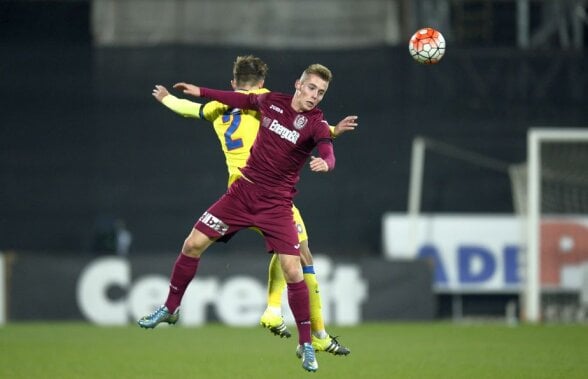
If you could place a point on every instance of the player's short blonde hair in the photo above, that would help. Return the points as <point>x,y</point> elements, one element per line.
<point>319,70</point>
<point>249,70</point>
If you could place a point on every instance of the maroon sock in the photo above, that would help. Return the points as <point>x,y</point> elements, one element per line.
<point>299,305</point>
<point>182,274</point>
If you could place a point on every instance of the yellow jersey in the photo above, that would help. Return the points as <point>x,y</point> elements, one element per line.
<point>235,129</point>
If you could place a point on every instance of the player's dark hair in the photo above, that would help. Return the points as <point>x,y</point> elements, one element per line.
<point>249,70</point>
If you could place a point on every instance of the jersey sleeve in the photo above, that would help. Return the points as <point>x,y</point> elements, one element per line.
<point>332,131</point>
<point>212,110</point>
<point>231,98</point>
<point>182,107</point>
<point>209,111</point>
<point>324,132</point>
<point>326,152</point>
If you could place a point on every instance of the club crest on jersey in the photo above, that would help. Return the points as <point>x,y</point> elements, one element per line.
<point>300,122</point>
<point>214,223</point>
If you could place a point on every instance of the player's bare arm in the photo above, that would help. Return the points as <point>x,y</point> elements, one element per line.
<point>189,89</point>
<point>159,92</point>
<point>347,124</point>
<point>183,107</point>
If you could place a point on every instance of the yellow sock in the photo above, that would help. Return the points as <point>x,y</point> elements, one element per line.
<point>275,283</point>
<point>316,315</point>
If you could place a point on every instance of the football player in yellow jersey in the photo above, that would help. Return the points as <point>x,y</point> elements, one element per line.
<point>236,130</point>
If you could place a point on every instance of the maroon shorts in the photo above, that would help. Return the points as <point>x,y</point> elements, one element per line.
<point>245,205</point>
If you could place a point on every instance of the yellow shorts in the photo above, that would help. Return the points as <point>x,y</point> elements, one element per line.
<point>300,227</point>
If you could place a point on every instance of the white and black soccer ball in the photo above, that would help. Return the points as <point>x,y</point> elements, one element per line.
<point>427,46</point>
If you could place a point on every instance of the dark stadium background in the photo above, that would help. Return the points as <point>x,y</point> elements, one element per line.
<point>82,141</point>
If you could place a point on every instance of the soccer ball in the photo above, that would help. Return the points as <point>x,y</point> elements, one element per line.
<point>427,46</point>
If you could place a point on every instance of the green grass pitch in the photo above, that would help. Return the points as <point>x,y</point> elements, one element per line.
<point>378,350</point>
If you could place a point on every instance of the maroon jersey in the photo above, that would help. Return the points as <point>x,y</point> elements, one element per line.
<point>285,140</point>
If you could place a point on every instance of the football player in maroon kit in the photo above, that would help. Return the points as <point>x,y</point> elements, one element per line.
<point>291,128</point>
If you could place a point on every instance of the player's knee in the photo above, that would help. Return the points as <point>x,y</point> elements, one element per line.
<point>292,271</point>
<point>194,246</point>
<point>293,275</point>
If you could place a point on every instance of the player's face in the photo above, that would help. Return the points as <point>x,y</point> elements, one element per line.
<point>310,90</point>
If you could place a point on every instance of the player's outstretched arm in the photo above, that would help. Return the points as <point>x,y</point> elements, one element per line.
<point>159,92</point>
<point>189,89</point>
<point>230,98</point>
<point>182,107</point>
<point>347,124</point>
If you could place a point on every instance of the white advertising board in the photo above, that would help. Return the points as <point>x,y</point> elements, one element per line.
<point>485,253</point>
